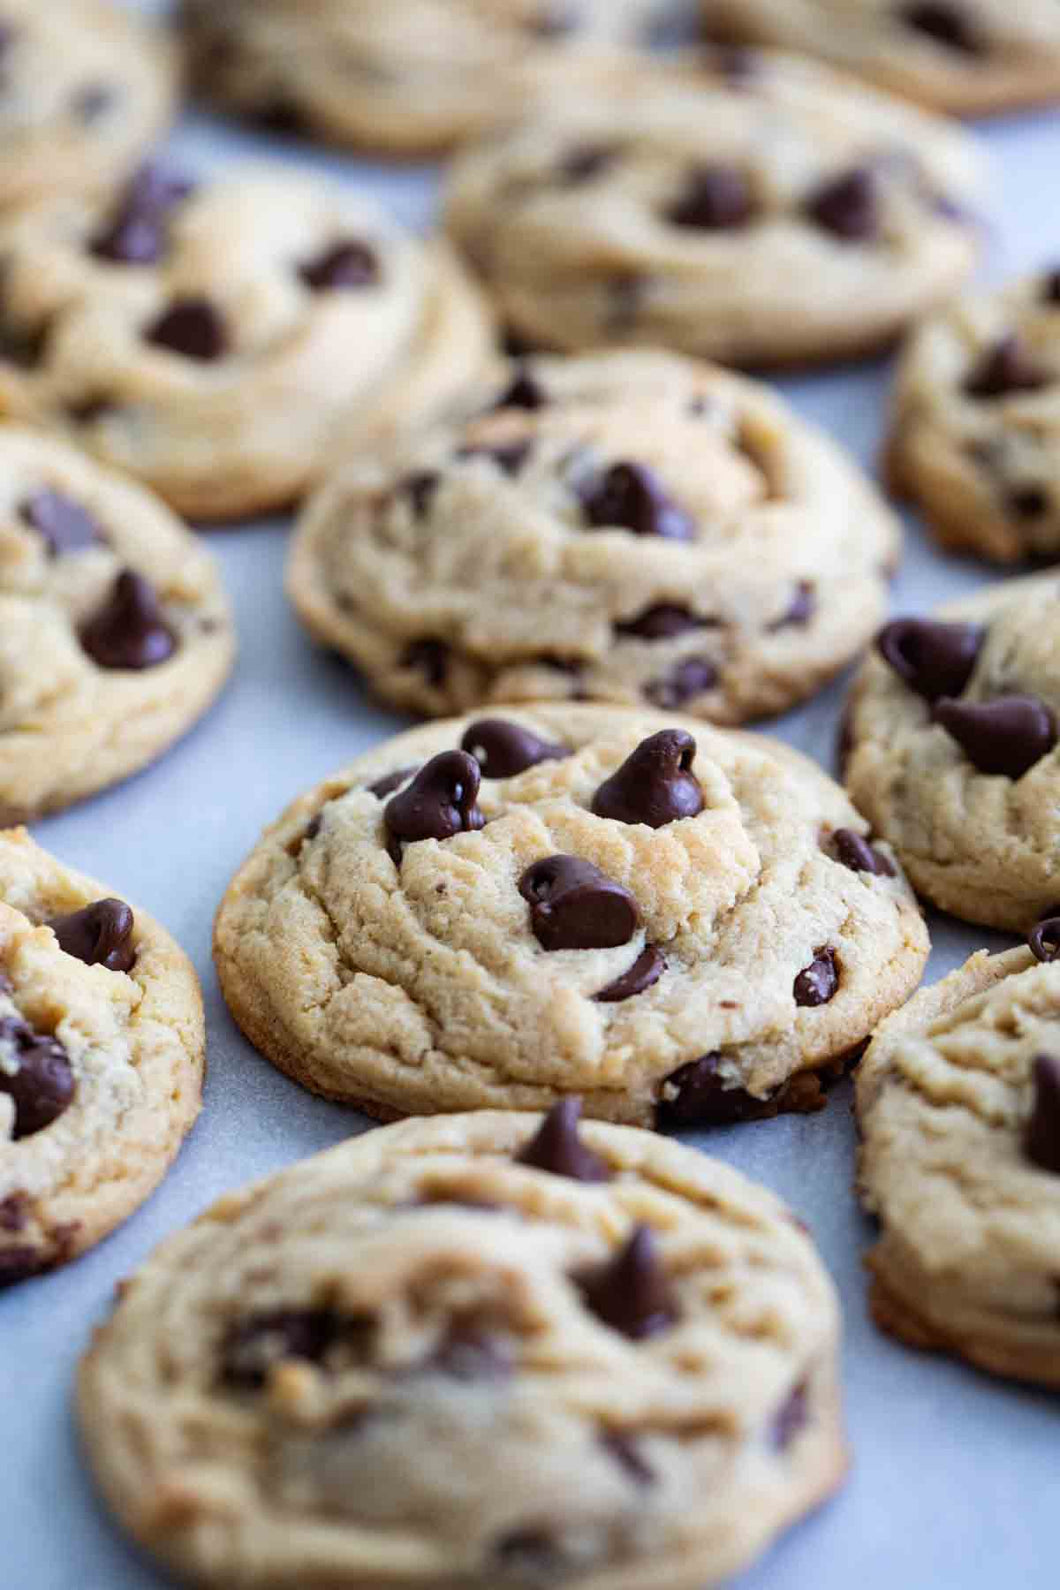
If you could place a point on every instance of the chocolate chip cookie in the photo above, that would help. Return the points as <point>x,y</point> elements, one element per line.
<point>967,56</point>
<point>757,211</point>
<point>959,1102</point>
<point>952,727</point>
<point>115,633</point>
<point>478,1352</point>
<point>627,527</point>
<point>214,338</point>
<point>975,434</point>
<point>102,1050</point>
<point>684,925</point>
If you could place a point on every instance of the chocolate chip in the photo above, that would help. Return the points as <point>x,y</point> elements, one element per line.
<point>503,749</point>
<point>855,852</point>
<point>255,1345</point>
<point>1028,502</point>
<point>24,346</point>
<point>509,457</point>
<point>279,113</point>
<point>90,102</point>
<point>690,678</point>
<point>655,784</point>
<point>664,621</point>
<point>191,327</point>
<point>14,1212</point>
<point>64,525</point>
<point>630,1292</point>
<point>847,206</point>
<point>392,781</point>
<point>575,906</point>
<point>715,198</point>
<point>933,659</point>
<point>1004,368</point>
<point>42,1087</point>
<point>802,608</point>
<point>816,984</point>
<point>642,975</point>
<point>1005,736</point>
<point>99,935</point>
<point>439,803</point>
<point>791,1418</point>
<point>696,1095</point>
<point>467,1353</point>
<point>129,631</point>
<point>631,497</point>
<point>1044,939</point>
<point>1042,1140</point>
<point>430,657</point>
<point>343,265</point>
<point>628,1456</point>
<point>523,393</point>
<point>557,1147</point>
<point>1051,287</point>
<point>420,489</point>
<point>19,1263</point>
<point>135,234</point>
<point>946,24</point>
<point>585,162</point>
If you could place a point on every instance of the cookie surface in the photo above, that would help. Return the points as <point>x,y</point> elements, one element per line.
<point>628,527</point>
<point>971,57</point>
<point>675,928</point>
<point>102,1052</point>
<point>88,86</point>
<point>760,210</point>
<point>975,423</point>
<point>952,727</point>
<point>214,339</point>
<point>632,1378</point>
<point>959,1102</point>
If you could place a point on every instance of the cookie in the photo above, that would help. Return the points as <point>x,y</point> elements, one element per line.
<point>102,1051</point>
<point>972,57</point>
<point>215,339</point>
<point>115,632</point>
<point>407,77</point>
<point>627,527</point>
<point>625,1351</point>
<point>684,925</point>
<point>975,425</point>
<point>87,87</point>
<point>952,727</point>
<point>757,211</point>
<point>959,1103</point>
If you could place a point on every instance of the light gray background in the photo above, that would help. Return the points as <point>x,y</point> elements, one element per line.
<point>956,1478</point>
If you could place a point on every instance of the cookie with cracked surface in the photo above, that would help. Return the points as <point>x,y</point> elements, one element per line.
<point>216,339</point>
<point>959,1102</point>
<point>86,88</point>
<point>102,1052</point>
<point>953,756</point>
<point>681,924</point>
<point>775,215</point>
<point>115,632</point>
<point>970,57</point>
<point>623,527</point>
<point>975,426</point>
<point>632,1373</point>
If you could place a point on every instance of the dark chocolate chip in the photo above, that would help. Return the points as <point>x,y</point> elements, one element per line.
<point>696,1095</point>
<point>420,489</point>
<point>429,657</point>
<point>664,621</point>
<point>64,525</point>
<point>279,113</point>
<point>715,198</point>
<point>467,1353</point>
<point>631,497</point>
<point>946,24</point>
<point>791,1418</point>
<point>1044,939</point>
<point>99,935</point>
<point>575,906</point>
<point>585,162</point>
<point>1028,502</point>
<point>92,101</point>
<point>630,1293</point>
<point>523,393</point>
<point>254,1346</point>
<point>24,346</point>
<point>557,1147</point>
<point>191,327</point>
<point>933,659</point>
<point>1005,736</point>
<point>642,975</point>
<point>129,631</point>
<point>816,984</point>
<point>14,1212</point>
<point>655,784</point>
<point>690,678</point>
<point>503,749</point>
<point>628,1456</point>
<point>439,802</point>
<point>508,456</point>
<point>855,852</point>
<point>847,206</point>
<point>19,1263</point>
<point>801,610</point>
<point>43,1085</point>
<point>1042,1140</point>
<point>1004,368</point>
<point>343,265</point>
<point>391,781</point>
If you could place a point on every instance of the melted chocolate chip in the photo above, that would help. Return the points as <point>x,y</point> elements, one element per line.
<point>933,659</point>
<point>801,610</point>
<point>631,497</point>
<point>690,678</point>
<point>1005,736</point>
<point>630,1293</point>
<point>129,631</point>
<point>1028,502</point>
<point>847,206</point>
<point>190,327</point>
<point>1044,939</point>
<point>420,489</point>
<point>43,1085</point>
<point>664,621</point>
<point>504,749</point>
<point>1005,368</point>
<point>467,1353</point>
<point>557,1147</point>
<point>715,198</point>
<point>696,1095</point>
<point>135,234</point>
<point>585,162</point>
<point>99,935</point>
<point>642,975</point>
<point>14,1212</point>
<point>655,784</point>
<point>429,657</point>
<point>439,802</point>
<point>24,346</point>
<point>1042,1140</point>
<point>628,1456</point>
<point>791,1418</point>
<point>575,906</point>
<point>62,523</point>
<point>946,24</point>
<point>855,852</point>
<point>391,781</point>
<point>254,1346</point>
<point>523,393</point>
<point>343,265</point>
<point>816,984</point>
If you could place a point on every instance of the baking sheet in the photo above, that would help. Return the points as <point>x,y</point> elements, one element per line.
<point>956,1478</point>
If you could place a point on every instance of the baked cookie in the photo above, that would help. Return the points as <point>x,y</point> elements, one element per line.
<point>215,339</point>
<point>467,1354</point>
<point>87,87</point>
<point>971,57</point>
<point>102,1051</point>
<point>951,755</point>
<point>624,527</point>
<point>975,431</point>
<point>115,632</point>
<point>408,77</point>
<point>959,1103</point>
<point>506,910</point>
<point>761,210</point>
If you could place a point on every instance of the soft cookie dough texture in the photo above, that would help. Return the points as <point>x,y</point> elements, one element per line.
<point>215,339</point>
<point>626,527</point>
<point>969,1249</point>
<point>757,211</point>
<point>420,986</point>
<point>130,1059</point>
<point>389,1365</point>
